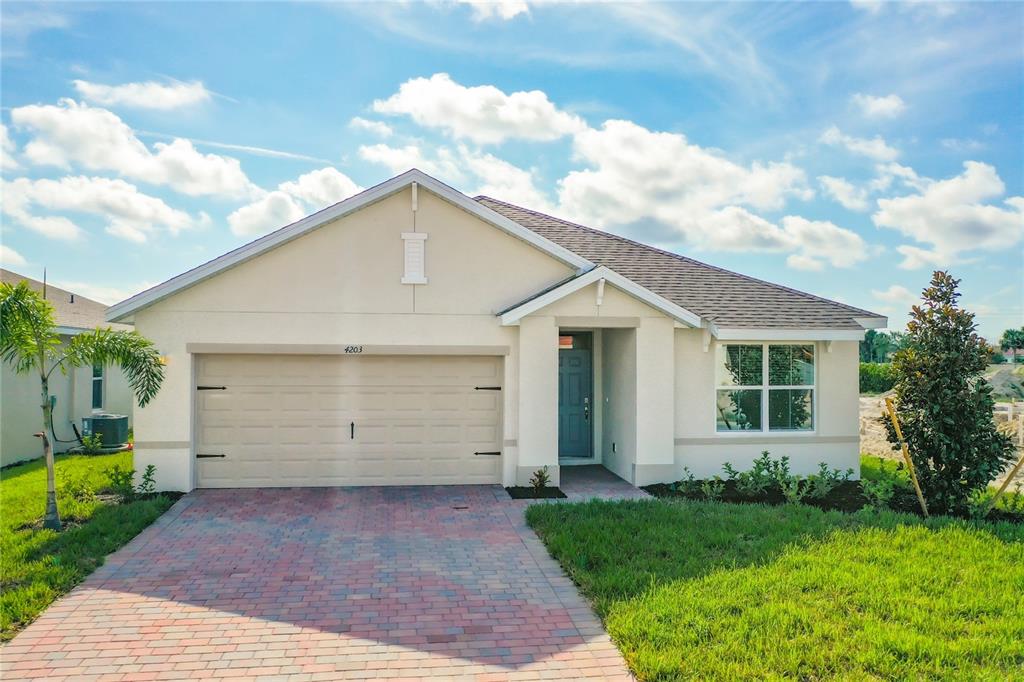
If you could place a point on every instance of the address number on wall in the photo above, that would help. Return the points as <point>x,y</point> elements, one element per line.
<point>353,349</point>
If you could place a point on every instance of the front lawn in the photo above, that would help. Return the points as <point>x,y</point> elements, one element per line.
<point>710,590</point>
<point>36,565</point>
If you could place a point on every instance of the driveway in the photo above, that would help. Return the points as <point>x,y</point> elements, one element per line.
<point>325,584</point>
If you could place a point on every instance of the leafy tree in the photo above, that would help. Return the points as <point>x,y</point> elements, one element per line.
<point>1012,340</point>
<point>943,403</point>
<point>29,342</point>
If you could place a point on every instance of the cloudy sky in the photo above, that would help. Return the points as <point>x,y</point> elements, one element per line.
<point>843,149</point>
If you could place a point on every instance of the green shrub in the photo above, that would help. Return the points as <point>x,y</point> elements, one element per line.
<point>121,481</point>
<point>93,444</point>
<point>997,358</point>
<point>713,489</point>
<point>540,480</point>
<point>876,377</point>
<point>879,493</point>
<point>821,484</point>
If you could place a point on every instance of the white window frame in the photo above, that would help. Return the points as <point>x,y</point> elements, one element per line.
<point>764,387</point>
<point>102,378</point>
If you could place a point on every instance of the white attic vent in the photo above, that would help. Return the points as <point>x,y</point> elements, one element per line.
<point>415,258</point>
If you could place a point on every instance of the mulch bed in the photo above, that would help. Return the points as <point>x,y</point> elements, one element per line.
<point>523,492</point>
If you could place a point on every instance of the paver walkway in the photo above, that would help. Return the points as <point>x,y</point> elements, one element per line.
<point>441,582</point>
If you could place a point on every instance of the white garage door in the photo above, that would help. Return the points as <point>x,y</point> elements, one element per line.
<point>295,420</point>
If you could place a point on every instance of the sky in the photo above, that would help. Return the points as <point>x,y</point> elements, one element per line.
<point>844,149</point>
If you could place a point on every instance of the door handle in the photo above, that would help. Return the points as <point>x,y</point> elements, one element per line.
<point>352,430</point>
<point>586,409</point>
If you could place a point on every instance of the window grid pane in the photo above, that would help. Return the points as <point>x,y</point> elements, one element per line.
<point>790,409</point>
<point>791,365</point>
<point>739,410</point>
<point>740,365</point>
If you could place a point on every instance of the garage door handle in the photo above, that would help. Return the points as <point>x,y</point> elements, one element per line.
<point>493,454</point>
<point>202,456</point>
<point>352,430</point>
<point>211,388</point>
<point>487,388</point>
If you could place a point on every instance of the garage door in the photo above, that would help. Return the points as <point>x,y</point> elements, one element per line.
<point>303,420</point>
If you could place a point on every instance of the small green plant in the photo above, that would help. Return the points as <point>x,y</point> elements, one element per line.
<point>713,489</point>
<point>540,480</point>
<point>76,487</point>
<point>121,481</point>
<point>689,485</point>
<point>148,484</point>
<point>821,484</point>
<point>793,489</point>
<point>879,493</point>
<point>92,444</point>
<point>760,477</point>
<point>731,474</point>
<point>1014,503</point>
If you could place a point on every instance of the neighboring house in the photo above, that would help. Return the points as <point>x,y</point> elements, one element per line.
<point>79,393</point>
<point>414,335</point>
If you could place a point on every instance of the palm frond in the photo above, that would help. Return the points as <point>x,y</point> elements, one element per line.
<point>28,337</point>
<point>136,355</point>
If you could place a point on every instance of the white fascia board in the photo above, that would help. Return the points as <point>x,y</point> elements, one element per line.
<point>872,322</point>
<point>513,316</point>
<point>789,334</point>
<point>125,308</point>
<point>71,331</point>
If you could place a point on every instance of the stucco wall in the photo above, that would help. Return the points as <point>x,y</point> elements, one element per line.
<point>619,402</point>
<point>835,440</point>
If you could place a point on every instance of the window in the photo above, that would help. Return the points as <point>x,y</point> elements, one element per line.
<point>750,391</point>
<point>415,258</point>
<point>97,387</point>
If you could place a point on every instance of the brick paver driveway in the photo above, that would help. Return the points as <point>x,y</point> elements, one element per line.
<point>325,583</point>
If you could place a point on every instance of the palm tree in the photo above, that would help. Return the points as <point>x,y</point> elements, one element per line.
<point>1012,340</point>
<point>29,342</point>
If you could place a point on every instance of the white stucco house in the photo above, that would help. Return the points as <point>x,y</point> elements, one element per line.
<point>414,335</point>
<point>79,393</point>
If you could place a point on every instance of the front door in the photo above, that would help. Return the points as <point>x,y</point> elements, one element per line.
<point>575,398</point>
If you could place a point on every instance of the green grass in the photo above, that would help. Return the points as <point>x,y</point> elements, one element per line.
<point>703,590</point>
<point>37,566</point>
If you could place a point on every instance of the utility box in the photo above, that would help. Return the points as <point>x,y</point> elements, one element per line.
<point>113,428</point>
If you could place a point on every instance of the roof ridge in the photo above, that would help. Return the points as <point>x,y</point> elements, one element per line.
<point>676,255</point>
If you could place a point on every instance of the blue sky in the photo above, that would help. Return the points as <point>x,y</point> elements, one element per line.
<point>843,149</point>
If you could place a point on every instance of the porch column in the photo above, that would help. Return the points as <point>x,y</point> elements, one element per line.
<point>655,401</point>
<point>538,398</point>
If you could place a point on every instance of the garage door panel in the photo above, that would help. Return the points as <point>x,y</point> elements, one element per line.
<point>286,420</point>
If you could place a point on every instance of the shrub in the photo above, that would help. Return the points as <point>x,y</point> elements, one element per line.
<point>997,358</point>
<point>879,493</point>
<point>540,480</point>
<point>148,484</point>
<point>876,377</point>
<point>75,487</point>
<point>756,481</point>
<point>93,444</point>
<point>713,489</point>
<point>820,485</point>
<point>121,481</point>
<point>688,485</point>
<point>944,404</point>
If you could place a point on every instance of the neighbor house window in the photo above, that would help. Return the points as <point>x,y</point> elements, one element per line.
<point>764,386</point>
<point>97,387</point>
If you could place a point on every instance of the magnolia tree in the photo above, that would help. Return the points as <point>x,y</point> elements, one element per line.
<point>29,342</point>
<point>943,404</point>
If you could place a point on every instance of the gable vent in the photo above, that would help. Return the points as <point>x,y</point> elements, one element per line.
<point>415,258</point>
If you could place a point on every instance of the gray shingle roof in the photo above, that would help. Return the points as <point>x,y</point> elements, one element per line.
<point>728,299</point>
<point>70,309</point>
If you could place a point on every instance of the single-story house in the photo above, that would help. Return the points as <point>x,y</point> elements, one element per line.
<point>414,335</point>
<point>79,393</point>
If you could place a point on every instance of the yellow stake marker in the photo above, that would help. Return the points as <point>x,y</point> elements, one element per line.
<point>906,454</point>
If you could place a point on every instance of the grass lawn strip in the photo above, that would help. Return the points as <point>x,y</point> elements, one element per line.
<point>704,590</point>
<point>36,565</point>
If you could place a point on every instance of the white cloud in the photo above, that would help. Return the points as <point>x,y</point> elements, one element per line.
<point>950,218</point>
<point>889,106</point>
<point>483,114</point>
<point>442,164</point>
<point>964,145</point>
<point>496,9</point>
<point>895,294</point>
<point>634,174</point>
<point>292,201</point>
<point>843,191</point>
<point>96,139</point>
<point>104,294</point>
<point>874,148</point>
<point>502,180</point>
<point>148,95</point>
<point>378,128</point>
<point>821,240</point>
<point>7,150</point>
<point>130,214</point>
<point>9,256</point>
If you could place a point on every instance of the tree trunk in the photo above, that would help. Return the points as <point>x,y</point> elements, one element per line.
<point>51,519</point>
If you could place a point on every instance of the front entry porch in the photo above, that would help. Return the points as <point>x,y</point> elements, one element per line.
<point>593,481</point>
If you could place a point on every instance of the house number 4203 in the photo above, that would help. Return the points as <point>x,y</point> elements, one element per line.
<point>353,349</point>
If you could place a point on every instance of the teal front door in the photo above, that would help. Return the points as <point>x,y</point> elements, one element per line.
<point>575,403</point>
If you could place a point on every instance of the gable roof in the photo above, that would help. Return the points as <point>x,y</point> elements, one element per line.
<point>354,203</point>
<point>725,299</point>
<point>72,312</point>
<point>544,298</point>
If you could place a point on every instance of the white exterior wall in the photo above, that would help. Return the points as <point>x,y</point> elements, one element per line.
<point>835,440</point>
<point>618,404</point>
